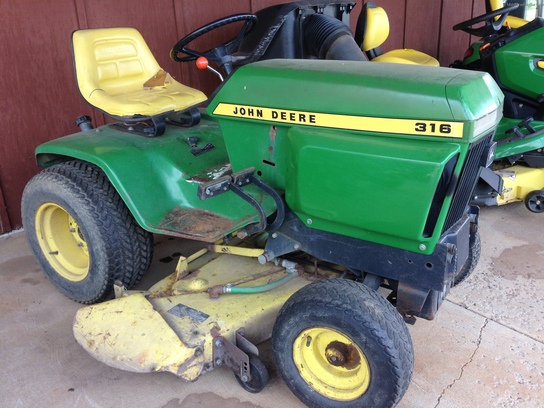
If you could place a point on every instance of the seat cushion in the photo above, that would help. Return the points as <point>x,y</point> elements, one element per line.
<point>147,101</point>
<point>407,56</point>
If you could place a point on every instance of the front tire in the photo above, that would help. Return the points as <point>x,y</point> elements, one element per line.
<point>81,232</point>
<point>338,343</point>
<point>474,253</point>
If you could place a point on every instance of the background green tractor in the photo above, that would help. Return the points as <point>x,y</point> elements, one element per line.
<point>332,201</point>
<point>512,55</point>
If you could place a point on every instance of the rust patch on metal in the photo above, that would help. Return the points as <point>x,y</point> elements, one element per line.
<point>199,179</point>
<point>211,173</point>
<point>273,133</point>
<point>343,355</point>
<point>200,225</point>
<point>215,331</point>
<point>215,291</point>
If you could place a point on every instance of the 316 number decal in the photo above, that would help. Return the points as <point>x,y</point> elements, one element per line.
<point>431,127</point>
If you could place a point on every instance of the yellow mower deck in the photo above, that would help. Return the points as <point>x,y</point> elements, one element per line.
<point>518,182</point>
<point>177,327</point>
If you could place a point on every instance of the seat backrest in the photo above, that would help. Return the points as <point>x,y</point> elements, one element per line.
<point>112,60</point>
<point>374,27</point>
<point>511,21</point>
<point>492,5</point>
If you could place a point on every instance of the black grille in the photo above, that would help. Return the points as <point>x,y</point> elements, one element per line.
<point>467,181</point>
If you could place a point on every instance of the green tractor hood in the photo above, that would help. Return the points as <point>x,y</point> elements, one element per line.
<point>360,149</point>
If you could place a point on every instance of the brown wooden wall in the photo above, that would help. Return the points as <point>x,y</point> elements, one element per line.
<point>37,88</point>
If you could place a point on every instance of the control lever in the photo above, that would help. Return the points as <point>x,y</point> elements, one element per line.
<point>203,63</point>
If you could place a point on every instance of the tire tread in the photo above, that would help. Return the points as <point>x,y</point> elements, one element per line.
<point>375,315</point>
<point>128,247</point>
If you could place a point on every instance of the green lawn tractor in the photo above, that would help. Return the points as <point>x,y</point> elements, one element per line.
<point>515,59</point>
<point>508,51</point>
<point>331,200</point>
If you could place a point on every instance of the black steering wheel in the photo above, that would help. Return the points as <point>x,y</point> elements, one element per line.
<point>491,25</point>
<point>222,54</point>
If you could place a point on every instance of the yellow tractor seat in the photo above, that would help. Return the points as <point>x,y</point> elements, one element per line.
<point>117,74</point>
<point>511,21</point>
<point>371,32</point>
<point>407,56</point>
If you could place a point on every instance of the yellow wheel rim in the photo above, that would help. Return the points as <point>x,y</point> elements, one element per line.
<point>331,363</point>
<point>62,242</point>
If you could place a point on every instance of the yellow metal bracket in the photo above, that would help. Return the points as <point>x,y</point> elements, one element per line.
<point>182,267</point>
<point>120,291</point>
<point>234,250</point>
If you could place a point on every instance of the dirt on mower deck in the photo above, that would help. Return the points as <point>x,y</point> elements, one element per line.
<point>484,349</point>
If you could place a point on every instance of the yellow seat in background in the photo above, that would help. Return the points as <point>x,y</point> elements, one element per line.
<point>511,21</point>
<point>372,31</point>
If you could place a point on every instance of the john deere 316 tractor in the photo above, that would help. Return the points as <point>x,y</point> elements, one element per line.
<point>333,198</point>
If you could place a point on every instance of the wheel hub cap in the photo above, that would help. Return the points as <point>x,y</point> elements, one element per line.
<point>331,363</point>
<point>62,242</point>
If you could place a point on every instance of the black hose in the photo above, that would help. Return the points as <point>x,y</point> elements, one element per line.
<point>326,37</point>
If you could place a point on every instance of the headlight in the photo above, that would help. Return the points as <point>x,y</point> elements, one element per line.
<point>486,122</point>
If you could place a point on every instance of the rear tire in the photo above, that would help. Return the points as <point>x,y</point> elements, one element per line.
<point>81,232</point>
<point>338,343</point>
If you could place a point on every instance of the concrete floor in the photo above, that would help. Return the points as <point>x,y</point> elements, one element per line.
<point>484,349</point>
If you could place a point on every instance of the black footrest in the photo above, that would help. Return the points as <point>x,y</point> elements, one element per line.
<point>243,178</point>
<point>223,184</point>
<point>234,182</point>
<point>526,123</point>
<point>214,188</point>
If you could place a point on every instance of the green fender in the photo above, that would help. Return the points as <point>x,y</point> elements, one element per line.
<point>158,178</point>
<point>508,144</point>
